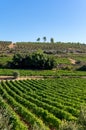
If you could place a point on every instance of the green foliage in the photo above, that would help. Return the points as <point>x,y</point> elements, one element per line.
<point>44,73</point>
<point>4,60</point>
<point>20,109</point>
<point>37,60</point>
<point>68,67</point>
<point>82,118</point>
<point>16,74</point>
<point>44,103</point>
<point>5,42</point>
<point>68,125</point>
<point>4,119</point>
<point>38,39</point>
<point>82,68</point>
<point>52,40</point>
<point>44,38</point>
<point>36,127</point>
<point>78,125</point>
<point>9,120</point>
<point>28,47</point>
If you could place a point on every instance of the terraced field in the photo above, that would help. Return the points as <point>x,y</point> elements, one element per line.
<point>44,103</point>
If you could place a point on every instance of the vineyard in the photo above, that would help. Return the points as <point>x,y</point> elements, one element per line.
<point>56,48</point>
<point>42,103</point>
<point>63,52</point>
<point>38,98</point>
<point>7,48</point>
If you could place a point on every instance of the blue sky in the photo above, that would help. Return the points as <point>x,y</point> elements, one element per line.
<point>26,20</point>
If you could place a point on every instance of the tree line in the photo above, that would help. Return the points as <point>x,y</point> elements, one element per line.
<point>36,60</point>
<point>45,39</point>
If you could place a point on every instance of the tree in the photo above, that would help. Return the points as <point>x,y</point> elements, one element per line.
<point>16,74</point>
<point>17,61</point>
<point>52,40</point>
<point>44,38</point>
<point>38,39</point>
<point>36,60</point>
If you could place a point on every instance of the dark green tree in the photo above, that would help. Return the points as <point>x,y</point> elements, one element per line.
<point>38,39</point>
<point>44,39</point>
<point>17,61</point>
<point>36,60</point>
<point>52,40</point>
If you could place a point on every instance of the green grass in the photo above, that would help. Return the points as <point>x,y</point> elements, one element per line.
<point>5,59</point>
<point>9,72</point>
<point>63,60</point>
<point>78,57</point>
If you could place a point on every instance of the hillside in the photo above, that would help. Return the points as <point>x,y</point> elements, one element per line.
<point>34,97</point>
<point>7,47</point>
<point>66,54</point>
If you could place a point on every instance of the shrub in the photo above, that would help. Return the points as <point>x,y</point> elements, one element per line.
<point>82,68</point>
<point>16,74</point>
<point>82,118</point>
<point>4,120</point>
<point>37,60</point>
<point>68,125</point>
<point>80,124</point>
<point>36,127</point>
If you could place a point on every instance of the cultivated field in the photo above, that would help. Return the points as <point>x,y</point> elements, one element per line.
<point>44,103</point>
<point>51,99</point>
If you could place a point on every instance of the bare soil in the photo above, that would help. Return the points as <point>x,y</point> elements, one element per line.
<point>72,61</point>
<point>11,46</point>
<point>4,78</point>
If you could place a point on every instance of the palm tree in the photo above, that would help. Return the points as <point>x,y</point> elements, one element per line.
<point>52,40</point>
<point>44,38</point>
<point>38,39</point>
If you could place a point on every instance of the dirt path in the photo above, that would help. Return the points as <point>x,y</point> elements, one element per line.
<point>72,61</point>
<point>11,46</point>
<point>4,78</point>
